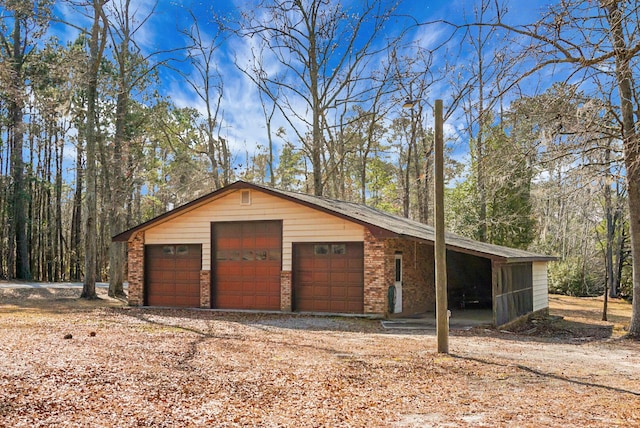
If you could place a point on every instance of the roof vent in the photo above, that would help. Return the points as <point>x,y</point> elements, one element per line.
<point>245,197</point>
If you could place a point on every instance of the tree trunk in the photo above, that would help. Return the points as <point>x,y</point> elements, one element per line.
<point>96,46</point>
<point>631,146</point>
<point>75,262</point>
<point>406,192</point>
<point>117,199</point>
<point>610,231</point>
<point>59,252</point>
<point>20,195</point>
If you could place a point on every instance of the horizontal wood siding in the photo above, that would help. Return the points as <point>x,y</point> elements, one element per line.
<point>299,224</point>
<point>540,286</point>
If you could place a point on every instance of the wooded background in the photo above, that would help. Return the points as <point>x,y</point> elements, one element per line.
<point>542,125</point>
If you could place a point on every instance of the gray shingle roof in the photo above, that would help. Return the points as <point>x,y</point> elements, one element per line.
<point>396,225</point>
<point>408,228</point>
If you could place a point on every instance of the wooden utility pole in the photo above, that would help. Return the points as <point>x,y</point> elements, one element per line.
<point>442,316</point>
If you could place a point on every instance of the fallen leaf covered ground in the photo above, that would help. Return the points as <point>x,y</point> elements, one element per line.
<point>131,367</point>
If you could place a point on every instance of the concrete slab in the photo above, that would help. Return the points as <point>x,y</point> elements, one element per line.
<point>460,320</point>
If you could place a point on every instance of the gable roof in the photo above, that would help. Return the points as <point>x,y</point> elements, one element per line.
<point>370,217</point>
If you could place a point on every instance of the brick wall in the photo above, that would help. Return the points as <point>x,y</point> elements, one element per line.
<point>136,270</point>
<point>375,283</point>
<point>418,274</point>
<point>285,291</point>
<point>205,289</point>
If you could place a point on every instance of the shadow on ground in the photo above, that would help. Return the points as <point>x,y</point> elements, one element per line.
<point>53,300</point>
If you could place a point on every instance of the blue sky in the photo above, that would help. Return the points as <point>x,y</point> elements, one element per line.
<point>243,118</point>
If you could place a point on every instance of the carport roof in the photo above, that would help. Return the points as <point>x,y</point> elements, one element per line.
<point>393,225</point>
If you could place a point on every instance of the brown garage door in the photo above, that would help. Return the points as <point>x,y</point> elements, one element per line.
<point>248,260</point>
<point>329,277</point>
<point>172,275</point>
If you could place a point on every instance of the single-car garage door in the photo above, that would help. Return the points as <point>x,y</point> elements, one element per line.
<point>329,277</point>
<point>172,275</point>
<point>248,261</point>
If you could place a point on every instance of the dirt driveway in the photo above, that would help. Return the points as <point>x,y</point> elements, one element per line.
<point>139,367</point>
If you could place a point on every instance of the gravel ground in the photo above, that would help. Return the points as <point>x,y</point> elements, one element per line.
<point>127,367</point>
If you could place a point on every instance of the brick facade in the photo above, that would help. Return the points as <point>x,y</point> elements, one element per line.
<point>205,289</point>
<point>376,284</point>
<point>136,270</point>
<point>285,291</point>
<point>418,274</point>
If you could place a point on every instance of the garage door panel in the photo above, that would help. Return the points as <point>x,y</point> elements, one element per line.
<point>260,301</point>
<point>255,285</point>
<point>322,292</point>
<point>159,301</point>
<point>183,301</point>
<point>354,277</point>
<point>338,277</point>
<point>229,301</point>
<point>158,276</point>
<point>275,271</point>
<point>316,305</point>
<point>320,305</point>
<point>247,269</point>
<point>185,275</point>
<point>266,242</point>
<point>304,293</point>
<point>321,263</point>
<point>339,263</point>
<point>264,270</point>
<point>160,262</point>
<point>354,264</point>
<point>172,275</point>
<point>274,301</point>
<point>305,264</point>
<point>188,290</point>
<point>322,277</point>
<point>231,230</point>
<point>339,292</point>
<point>185,264</point>
<point>164,289</point>
<point>304,276</point>
<point>354,292</point>
<point>248,301</point>
<point>335,280</point>
<point>229,269</point>
<point>339,306</point>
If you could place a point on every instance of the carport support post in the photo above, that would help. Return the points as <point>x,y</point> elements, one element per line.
<point>442,321</point>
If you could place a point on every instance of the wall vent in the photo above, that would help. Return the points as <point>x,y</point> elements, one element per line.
<point>245,197</point>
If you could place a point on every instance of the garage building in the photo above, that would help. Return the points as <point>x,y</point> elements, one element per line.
<point>251,247</point>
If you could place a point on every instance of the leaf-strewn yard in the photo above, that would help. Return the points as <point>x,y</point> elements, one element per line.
<point>140,367</point>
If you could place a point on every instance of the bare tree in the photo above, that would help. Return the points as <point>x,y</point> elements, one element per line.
<point>321,49</point>
<point>206,81</point>
<point>600,41</point>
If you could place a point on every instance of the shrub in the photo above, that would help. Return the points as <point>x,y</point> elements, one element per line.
<point>569,277</point>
